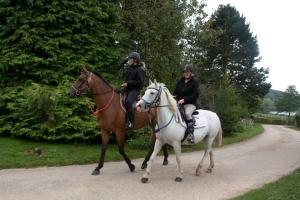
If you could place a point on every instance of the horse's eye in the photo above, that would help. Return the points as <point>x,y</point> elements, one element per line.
<point>151,93</point>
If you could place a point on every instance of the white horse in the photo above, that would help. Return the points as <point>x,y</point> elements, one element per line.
<point>171,131</point>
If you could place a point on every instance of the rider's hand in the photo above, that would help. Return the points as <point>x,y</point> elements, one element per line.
<point>124,85</point>
<point>181,101</point>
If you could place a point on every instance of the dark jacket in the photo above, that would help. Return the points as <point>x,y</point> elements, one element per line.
<point>135,77</point>
<point>187,91</point>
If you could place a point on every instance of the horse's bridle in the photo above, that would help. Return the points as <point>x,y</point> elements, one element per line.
<point>155,103</point>
<point>87,79</point>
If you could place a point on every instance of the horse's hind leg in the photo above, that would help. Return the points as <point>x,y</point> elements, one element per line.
<point>121,139</point>
<point>104,138</point>
<point>157,148</point>
<point>207,150</point>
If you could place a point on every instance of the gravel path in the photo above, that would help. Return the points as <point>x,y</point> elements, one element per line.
<point>238,168</point>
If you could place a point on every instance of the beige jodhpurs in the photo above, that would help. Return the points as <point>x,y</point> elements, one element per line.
<point>189,109</point>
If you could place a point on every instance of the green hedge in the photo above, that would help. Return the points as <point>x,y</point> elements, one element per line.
<point>273,119</point>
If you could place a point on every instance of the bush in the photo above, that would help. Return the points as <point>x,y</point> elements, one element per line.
<point>230,108</point>
<point>297,119</point>
<point>45,113</point>
<point>273,119</point>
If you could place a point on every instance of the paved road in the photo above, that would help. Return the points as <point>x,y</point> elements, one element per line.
<point>238,168</point>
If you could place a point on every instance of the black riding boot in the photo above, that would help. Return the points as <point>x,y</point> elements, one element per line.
<point>130,118</point>
<point>190,129</point>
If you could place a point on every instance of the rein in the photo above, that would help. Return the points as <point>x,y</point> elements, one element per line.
<point>108,103</point>
<point>88,79</point>
<point>155,104</point>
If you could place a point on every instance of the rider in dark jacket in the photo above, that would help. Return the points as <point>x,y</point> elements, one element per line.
<point>134,82</point>
<point>186,94</point>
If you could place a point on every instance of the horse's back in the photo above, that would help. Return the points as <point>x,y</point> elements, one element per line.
<point>212,118</point>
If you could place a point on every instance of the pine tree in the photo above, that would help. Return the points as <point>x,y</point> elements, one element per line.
<point>45,40</point>
<point>225,46</point>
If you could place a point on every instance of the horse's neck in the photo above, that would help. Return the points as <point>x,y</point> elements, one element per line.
<point>103,92</point>
<point>164,113</point>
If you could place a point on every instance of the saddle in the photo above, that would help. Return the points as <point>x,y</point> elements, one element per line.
<point>123,99</point>
<point>198,120</point>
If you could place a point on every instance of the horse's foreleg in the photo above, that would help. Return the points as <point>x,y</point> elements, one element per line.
<point>177,149</point>
<point>165,151</point>
<point>104,138</point>
<point>157,148</point>
<point>144,164</point>
<point>121,143</point>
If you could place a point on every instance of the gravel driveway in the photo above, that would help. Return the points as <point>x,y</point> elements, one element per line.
<point>238,168</point>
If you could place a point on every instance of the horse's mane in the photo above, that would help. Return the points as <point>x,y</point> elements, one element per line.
<point>99,76</point>
<point>172,102</point>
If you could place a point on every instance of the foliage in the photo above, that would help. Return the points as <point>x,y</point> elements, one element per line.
<point>289,101</point>
<point>267,105</point>
<point>44,113</point>
<point>43,41</point>
<point>225,46</point>
<point>297,118</point>
<point>273,94</point>
<point>155,29</point>
<point>229,106</point>
<point>272,119</point>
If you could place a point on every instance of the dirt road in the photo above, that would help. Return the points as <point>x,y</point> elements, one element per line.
<point>238,168</point>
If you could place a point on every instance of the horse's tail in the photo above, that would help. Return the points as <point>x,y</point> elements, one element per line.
<point>218,139</point>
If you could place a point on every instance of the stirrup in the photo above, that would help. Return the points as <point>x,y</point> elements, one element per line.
<point>129,125</point>
<point>191,139</point>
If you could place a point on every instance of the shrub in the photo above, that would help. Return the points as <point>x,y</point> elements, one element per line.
<point>297,118</point>
<point>45,113</point>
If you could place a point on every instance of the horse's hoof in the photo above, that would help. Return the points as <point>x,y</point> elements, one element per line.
<point>165,162</point>
<point>178,179</point>
<point>96,172</point>
<point>198,174</point>
<point>132,168</point>
<point>209,170</point>
<point>144,166</point>
<point>144,180</point>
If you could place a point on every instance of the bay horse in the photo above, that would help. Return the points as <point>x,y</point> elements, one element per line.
<point>172,132</point>
<point>111,115</point>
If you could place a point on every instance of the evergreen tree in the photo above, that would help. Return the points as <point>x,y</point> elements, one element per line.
<point>225,46</point>
<point>45,40</point>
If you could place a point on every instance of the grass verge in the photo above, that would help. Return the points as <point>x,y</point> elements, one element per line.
<point>15,153</point>
<point>286,188</point>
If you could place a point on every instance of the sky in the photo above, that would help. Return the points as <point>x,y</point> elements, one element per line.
<point>277,27</point>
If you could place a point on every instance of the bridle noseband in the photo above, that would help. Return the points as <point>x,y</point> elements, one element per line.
<point>87,79</point>
<point>155,103</point>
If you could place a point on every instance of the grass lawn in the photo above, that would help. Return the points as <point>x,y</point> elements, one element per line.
<point>286,188</point>
<point>15,153</point>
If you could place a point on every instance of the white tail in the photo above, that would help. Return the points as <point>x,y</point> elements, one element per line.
<point>218,139</point>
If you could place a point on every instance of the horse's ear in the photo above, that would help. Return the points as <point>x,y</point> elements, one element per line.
<point>83,70</point>
<point>150,82</point>
<point>155,82</point>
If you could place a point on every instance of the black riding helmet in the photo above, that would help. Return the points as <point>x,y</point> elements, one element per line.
<point>134,55</point>
<point>187,68</point>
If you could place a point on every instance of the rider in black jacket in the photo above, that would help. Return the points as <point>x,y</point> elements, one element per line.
<point>186,94</point>
<point>134,82</point>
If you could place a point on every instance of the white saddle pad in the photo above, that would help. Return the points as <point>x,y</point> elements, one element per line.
<point>200,121</point>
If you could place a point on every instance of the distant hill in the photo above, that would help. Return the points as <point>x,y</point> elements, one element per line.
<point>273,94</point>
